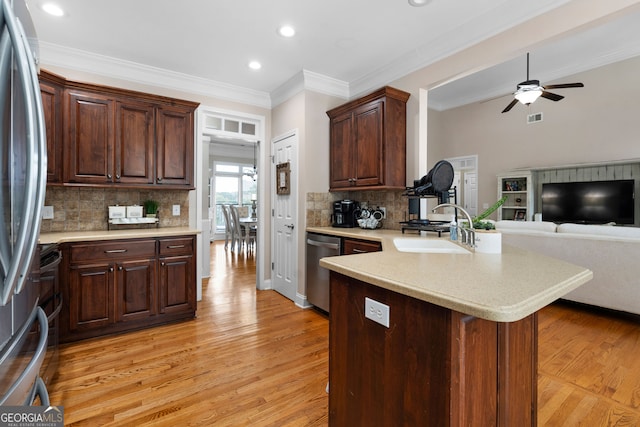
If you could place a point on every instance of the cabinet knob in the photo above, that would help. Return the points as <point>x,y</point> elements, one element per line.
<point>162,263</point>
<point>118,176</point>
<point>109,176</point>
<point>159,179</point>
<point>120,268</point>
<point>110,269</point>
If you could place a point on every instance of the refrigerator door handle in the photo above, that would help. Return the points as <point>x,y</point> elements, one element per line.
<point>39,390</point>
<point>38,154</point>
<point>22,388</point>
<point>34,195</point>
<point>5,75</point>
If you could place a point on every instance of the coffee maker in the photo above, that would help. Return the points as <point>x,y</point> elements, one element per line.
<point>344,213</point>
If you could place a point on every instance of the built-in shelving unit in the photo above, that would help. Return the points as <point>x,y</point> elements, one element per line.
<point>518,187</point>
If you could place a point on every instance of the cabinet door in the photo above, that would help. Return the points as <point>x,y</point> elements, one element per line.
<point>174,139</point>
<point>177,285</point>
<point>135,297</point>
<point>368,137</point>
<point>341,163</point>
<point>134,142</point>
<point>90,138</point>
<point>91,299</point>
<point>52,106</point>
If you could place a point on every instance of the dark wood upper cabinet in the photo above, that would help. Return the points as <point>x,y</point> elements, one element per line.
<point>174,146</point>
<point>51,88</point>
<point>368,142</point>
<point>134,142</point>
<point>112,136</point>
<point>90,138</point>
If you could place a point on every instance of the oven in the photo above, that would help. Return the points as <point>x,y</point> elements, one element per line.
<point>51,303</point>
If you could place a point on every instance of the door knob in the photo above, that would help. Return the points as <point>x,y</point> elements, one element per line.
<point>289,226</point>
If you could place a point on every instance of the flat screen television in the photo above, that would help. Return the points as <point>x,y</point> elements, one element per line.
<point>593,202</point>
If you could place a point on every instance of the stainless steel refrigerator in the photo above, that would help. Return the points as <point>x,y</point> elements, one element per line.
<point>23,325</point>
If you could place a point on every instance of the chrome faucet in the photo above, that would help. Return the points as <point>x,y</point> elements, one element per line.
<point>468,235</point>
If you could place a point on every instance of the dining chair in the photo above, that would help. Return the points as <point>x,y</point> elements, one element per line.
<point>239,231</point>
<point>252,238</point>
<point>228,226</point>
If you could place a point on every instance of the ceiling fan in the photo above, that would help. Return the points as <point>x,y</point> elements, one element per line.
<point>530,90</point>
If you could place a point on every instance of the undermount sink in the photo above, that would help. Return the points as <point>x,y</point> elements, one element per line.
<point>428,246</point>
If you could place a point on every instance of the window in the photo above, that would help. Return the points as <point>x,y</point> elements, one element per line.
<point>233,184</point>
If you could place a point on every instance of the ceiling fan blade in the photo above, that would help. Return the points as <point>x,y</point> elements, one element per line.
<point>564,85</point>
<point>551,96</point>
<point>510,106</point>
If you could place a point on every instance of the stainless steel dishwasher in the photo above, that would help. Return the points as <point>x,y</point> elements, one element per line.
<point>319,246</point>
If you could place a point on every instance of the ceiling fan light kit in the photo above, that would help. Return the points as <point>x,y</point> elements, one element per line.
<point>529,94</point>
<point>418,3</point>
<point>530,90</point>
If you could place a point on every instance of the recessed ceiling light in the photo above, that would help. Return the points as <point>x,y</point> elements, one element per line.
<point>286,31</point>
<point>255,65</point>
<point>53,9</point>
<point>418,3</point>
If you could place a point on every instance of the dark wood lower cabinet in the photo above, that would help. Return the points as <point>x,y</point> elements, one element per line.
<point>116,286</point>
<point>432,367</point>
<point>136,290</point>
<point>91,298</point>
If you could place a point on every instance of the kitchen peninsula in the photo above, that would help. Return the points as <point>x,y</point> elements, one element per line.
<point>461,346</point>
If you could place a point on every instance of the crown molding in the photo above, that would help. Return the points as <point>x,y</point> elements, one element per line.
<point>102,65</point>
<point>308,80</point>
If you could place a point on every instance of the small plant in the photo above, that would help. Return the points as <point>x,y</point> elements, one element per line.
<point>491,210</point>
<point>150,207</point>
<point>483,225</point>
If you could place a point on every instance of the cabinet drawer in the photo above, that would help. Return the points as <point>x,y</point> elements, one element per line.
<point>350,246</point>
<point>181,245</point>
<point>112,250</point>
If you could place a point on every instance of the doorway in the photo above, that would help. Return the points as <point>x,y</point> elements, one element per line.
<point>465,180</point>
<point>232,128</point>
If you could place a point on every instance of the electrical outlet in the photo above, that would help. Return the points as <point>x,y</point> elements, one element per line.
<point>47,212</point>
<point>376,311</point>
<point>176,210</point>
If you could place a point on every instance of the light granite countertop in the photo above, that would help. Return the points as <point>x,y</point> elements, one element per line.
<point>502,287</point>
<point>83,236</point>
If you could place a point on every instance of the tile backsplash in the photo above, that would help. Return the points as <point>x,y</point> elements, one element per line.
<point>86,209</point>
<point>319,206</point>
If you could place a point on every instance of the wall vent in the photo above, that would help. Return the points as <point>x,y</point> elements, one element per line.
<point>534,118</point>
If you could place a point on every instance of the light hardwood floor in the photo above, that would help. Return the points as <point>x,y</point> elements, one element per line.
<point>254,359</point>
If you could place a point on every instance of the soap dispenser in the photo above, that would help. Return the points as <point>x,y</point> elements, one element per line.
<point>453,230</point>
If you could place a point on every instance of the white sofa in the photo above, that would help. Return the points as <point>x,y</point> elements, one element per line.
<point>611,252</point>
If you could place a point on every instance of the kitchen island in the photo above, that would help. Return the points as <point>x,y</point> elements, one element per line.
<point>461,346</point>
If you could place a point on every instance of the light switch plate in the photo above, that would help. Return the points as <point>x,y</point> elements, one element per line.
<point>47,212</point>
<point>376,311</point>
<point>176,210</point>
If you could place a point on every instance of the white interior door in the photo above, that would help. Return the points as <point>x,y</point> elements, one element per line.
<point>285,227</point>
<point>471,193</point>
